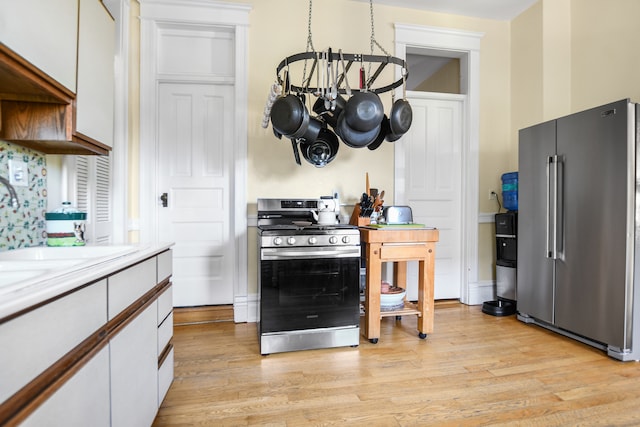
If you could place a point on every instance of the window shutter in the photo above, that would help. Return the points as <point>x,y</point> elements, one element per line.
<point>93,196</point>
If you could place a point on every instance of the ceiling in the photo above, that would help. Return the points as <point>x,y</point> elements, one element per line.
<point>501,10</point>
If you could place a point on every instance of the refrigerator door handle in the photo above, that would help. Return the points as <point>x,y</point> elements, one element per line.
<point>559,209</point>
<point>553,224</point>
<point>549,209</point>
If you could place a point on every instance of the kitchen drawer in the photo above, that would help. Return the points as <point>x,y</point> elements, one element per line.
<point>399,252</point>
<point>35,340</point>
<point>165,304</point>
<point>165,376</point>
<point>129,285</point>
<point>165,265</point>
<point>165,332</point>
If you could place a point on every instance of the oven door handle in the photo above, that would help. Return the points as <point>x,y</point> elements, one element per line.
<point>272,254</point>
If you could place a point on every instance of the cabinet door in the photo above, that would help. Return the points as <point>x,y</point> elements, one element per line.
<point>134,371</point>
<point>81,401</point>
<point>95,94</point>
<point>44,32</point>
<point>34,341</point>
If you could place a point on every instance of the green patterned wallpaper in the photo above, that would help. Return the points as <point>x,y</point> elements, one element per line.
<point>24,226</point>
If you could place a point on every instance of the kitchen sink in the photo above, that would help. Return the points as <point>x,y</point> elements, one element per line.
<point>41,253</point>
<point>22,267</point>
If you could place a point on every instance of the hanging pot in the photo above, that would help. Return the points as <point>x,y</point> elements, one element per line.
<point>384,130</point>
<point>364,111</point>
<point>392,137</point>
<point>327,114</point>
<point>311,130</point>
<point>400,117</point>
<point>321,151</point>
<point>352,137</point>
<point>287,115</point>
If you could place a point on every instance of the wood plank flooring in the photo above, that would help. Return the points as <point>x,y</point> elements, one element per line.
<point>473,370</point>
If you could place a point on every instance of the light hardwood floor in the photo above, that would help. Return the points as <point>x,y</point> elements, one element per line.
<point>473,370</point>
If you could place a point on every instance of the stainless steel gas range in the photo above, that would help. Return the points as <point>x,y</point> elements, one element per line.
<point>309,278</point>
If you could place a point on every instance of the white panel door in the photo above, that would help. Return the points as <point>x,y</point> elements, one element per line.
<point>429,180</point>
<point>195,144</point>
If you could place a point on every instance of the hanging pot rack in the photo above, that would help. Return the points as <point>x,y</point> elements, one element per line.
<point>359,120</point>
<point>349,58</point>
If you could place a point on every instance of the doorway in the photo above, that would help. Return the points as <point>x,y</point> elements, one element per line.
<point>465,47</point>
<point>193,141</point>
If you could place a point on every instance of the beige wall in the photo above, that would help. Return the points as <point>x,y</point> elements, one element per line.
<point>278,28</point>
<point>446,79</point>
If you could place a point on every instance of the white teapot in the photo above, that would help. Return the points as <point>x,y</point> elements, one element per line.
<point>326,214</point>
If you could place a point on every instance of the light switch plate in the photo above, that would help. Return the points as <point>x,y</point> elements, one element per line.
<point>18,173</point>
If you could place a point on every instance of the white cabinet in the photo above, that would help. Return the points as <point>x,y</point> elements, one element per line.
<point>134,371</point>
<point>165,348</point>
<point>34,341</point>
<point>99,355</point>
<point>82,401</point>
<point>45,33</point>
<point>95,94</point>
<point>128,285</point>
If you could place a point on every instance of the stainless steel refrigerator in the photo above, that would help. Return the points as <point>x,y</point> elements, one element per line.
<point>578,232</point>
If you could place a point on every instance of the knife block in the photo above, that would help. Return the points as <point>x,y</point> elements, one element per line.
<point>358,220</point>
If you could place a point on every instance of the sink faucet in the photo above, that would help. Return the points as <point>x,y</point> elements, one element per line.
<point>12,192</point>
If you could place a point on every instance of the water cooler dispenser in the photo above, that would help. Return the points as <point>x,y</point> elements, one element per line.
<point>506,251</point>
<point>506,263</point>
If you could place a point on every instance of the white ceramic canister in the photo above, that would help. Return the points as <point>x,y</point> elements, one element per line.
<point>65,226</point>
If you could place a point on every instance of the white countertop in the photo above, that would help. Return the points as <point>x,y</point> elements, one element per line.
<point>52,277</point>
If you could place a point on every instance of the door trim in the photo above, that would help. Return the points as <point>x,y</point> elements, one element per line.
<point>154,13</point>
<point>466,46</point>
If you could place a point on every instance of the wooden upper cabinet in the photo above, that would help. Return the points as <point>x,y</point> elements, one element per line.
<point>57,75</point>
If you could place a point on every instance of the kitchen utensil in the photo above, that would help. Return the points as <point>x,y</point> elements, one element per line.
<point>384,130</point>
<point>330,116</point>
<point>296,154</point>
<point>353,138</point>
<point>312,130</point>
<point>364,111</point>
<point>392,137</point>
<point>400,117</point>
<point>287,114</point>
<point>367,186</point>
<point>322,150</point>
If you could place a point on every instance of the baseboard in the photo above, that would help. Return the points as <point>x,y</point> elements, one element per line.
<point>480,292</point>
<point>203,314</point>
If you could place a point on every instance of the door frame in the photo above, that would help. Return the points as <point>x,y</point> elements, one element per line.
<point>400,165</point>
<point>465,45</point>
<point>153,15</point>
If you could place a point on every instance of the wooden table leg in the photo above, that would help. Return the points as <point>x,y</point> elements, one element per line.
<point>425,292</point>
<point>372,300</point>
<point>400,274</point>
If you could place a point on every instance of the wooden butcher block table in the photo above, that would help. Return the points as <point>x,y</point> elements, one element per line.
<point>399,245</point>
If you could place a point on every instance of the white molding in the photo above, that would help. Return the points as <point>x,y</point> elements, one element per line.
<point>466,46</point>
<point>246,308</point>
<point>153,15</point>
<point>120,153</point>
<point>487,217</point>
<point>480,292</point>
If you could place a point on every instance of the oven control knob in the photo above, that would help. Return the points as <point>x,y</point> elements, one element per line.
<point>346,239</point>
<point>333,240</point>
<point>313,240</point>
<point>277,241</point>
<point>291,240</point>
